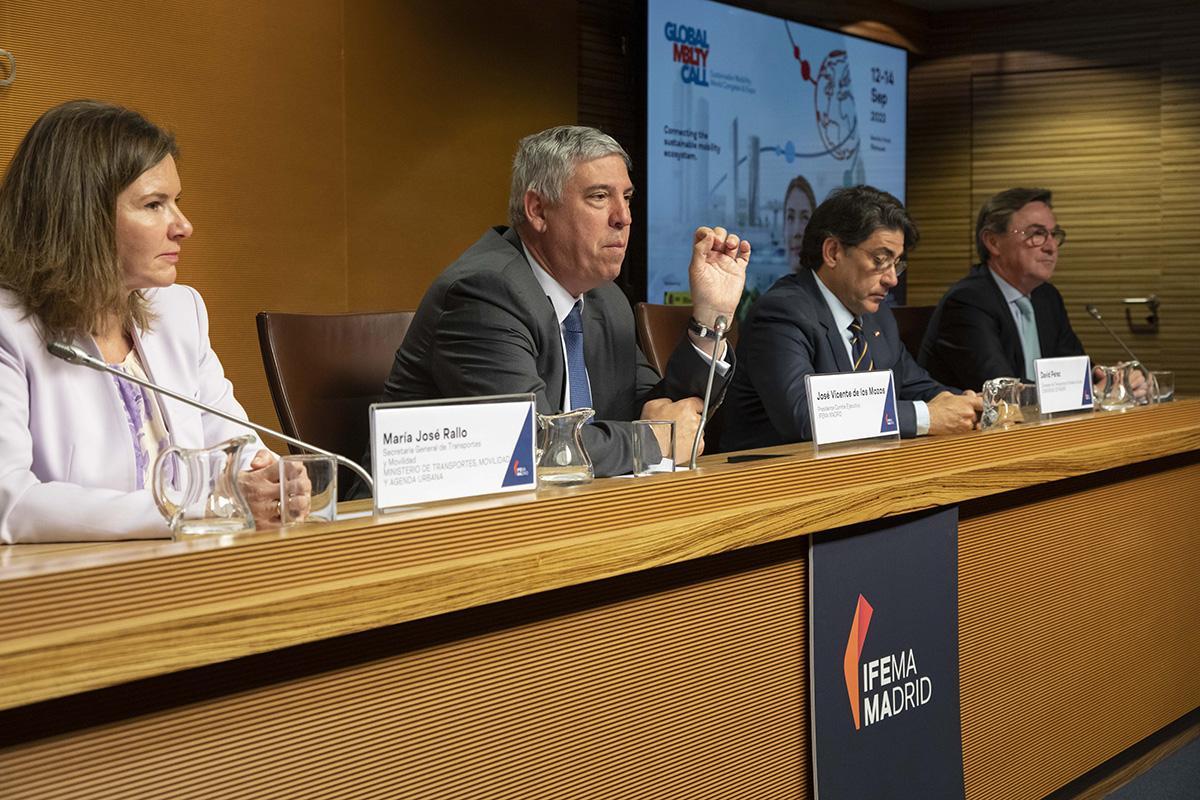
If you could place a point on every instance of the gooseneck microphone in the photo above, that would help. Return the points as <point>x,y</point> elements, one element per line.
<point>719,327</point>
<point>75,355</point>
<point>1095,312</point>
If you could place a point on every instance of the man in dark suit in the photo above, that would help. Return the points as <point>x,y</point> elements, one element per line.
<point>532,308</point>
<point>1005,313</point>
<point>829,317</point>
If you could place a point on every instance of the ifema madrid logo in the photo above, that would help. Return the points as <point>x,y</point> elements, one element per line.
<point>882,687</point>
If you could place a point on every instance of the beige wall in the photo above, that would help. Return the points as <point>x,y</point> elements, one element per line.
<point>336,154</point>
<point>437,95</point>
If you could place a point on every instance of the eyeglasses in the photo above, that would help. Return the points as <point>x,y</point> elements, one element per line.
<point>881,262</point>
<point>1036,235</point>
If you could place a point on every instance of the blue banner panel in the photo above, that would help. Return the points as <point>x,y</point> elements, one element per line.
<point>884,660</point>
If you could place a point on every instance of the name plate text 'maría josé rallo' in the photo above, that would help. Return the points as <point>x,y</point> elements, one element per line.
<point>441,450</point>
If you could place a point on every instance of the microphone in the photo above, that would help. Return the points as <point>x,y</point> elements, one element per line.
<point>76,355</point>
<point>719,328</point>
<point>1095,312</point>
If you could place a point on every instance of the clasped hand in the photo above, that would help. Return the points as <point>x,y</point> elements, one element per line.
<point>260,487</point>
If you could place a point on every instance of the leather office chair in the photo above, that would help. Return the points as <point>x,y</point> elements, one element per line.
<point>659,329</point>
<point>912,322</point>
<point>325,370</point>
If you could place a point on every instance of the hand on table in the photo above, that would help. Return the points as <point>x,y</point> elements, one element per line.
<point>260,487</point>
<point>685,414</point>
<point>954,413</point>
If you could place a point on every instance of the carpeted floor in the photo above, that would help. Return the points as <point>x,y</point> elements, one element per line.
<point>1176,777</point>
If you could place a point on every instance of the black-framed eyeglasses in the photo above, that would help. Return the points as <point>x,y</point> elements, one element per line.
<point>882,262</point>
<point>1036,235</point>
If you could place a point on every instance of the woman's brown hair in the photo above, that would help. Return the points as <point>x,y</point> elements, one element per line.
<point>58,249</point>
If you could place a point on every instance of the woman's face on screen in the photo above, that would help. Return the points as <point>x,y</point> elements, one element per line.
<point>797,211</point>
<point>150,227</point>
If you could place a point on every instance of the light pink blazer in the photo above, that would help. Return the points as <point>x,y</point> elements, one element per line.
<point>67,467</point>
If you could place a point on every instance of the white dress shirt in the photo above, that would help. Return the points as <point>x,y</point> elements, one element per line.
<point>842,319</point>
<point>563,302</point>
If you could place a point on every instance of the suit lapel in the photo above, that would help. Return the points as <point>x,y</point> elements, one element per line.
<point>594,349</point>
<point>833,336</point>
<point>878,348</point>
<point>1008,326</point>
<point>550,362</point>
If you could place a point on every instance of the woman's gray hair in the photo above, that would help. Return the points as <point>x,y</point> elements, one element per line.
<point>545,160</point>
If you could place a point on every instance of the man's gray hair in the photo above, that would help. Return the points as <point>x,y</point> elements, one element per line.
<point>544,163</point>
<point>997,212</point>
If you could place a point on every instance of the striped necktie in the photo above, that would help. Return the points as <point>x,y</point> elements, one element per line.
<point>577,377</point>
<point>1030,345</point>
<point>860,359</point>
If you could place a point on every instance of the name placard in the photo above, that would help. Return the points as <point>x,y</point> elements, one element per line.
<point>1064,384</point>
<point>846,406</point>
<point>445,449</point>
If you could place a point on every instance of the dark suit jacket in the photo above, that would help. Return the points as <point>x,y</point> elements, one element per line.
<point>972,336</point>
<point>790,333</point>
<point>486,327</point>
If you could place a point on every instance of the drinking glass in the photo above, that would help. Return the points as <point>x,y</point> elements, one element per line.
<point>1162,386</point>
<point>649,454</point>
<point>307,489</point>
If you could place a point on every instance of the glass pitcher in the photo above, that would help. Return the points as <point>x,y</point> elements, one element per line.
<point>205,485</point>
<point>562,459</point>
<point>1002,402</point>
<point>1114,391</point>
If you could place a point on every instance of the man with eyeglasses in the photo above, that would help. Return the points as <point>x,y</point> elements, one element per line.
<point>1005,313</point>
<point>830,316</point>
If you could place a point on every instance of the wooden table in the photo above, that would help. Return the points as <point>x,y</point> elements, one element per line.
<point>631,638</point>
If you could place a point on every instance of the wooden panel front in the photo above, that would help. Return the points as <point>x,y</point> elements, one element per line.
<point>1077,634</point>
<point>682,682</point>
<point>628,638</point>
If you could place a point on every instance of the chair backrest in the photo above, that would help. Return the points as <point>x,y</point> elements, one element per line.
<point>912,322</point>
<point>659,329</point>
<point>325,370</point>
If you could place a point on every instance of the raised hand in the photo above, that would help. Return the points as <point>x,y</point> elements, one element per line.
<point>717,273</point>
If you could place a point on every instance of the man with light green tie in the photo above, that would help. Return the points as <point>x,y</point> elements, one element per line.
<point>1005,313</point>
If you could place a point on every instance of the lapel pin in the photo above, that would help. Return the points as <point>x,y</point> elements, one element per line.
<point>876,333</point>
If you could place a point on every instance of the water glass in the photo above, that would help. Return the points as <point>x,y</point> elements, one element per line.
<point>307,489</point>
<point>1162,386</point>
<point>649,453</point>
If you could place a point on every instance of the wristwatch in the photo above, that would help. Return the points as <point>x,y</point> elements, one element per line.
<point>702,330</point>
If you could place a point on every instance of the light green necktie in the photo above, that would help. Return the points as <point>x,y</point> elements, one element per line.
<point>1029,335</point>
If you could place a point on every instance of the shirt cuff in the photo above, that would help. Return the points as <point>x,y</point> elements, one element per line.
<point>723,366</point>
<point>922,417</point>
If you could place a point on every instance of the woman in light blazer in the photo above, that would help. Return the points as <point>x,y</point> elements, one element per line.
<point>90,235</point>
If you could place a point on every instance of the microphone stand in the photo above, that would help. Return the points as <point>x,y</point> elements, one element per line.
<point>1095,312</point>
<point>719,328</point>
<point>74,355</point>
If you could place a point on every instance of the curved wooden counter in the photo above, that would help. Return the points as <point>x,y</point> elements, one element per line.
<point>621,639</point>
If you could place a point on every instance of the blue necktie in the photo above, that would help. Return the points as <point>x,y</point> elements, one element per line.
<point>860,361</point>
<point>572,328</point>
<point>1030,345</point>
